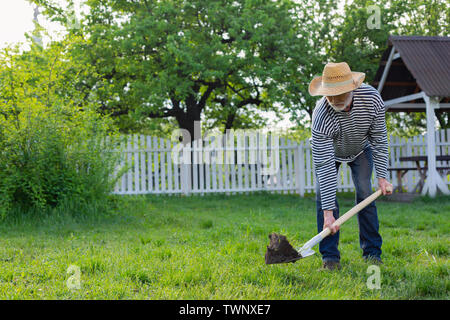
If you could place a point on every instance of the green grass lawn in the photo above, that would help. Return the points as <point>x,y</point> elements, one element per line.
<point>212,247</point>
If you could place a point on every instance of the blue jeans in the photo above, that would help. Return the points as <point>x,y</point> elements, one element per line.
<point>369,239</point>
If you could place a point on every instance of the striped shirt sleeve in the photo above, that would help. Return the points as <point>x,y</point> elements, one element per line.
<point>323,156</point>
<point>377,137</point>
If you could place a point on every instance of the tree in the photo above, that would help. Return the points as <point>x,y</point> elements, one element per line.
<point>159,59</point>
<point>224,60</point>
<point>318,21</point>
<point>362,47</point>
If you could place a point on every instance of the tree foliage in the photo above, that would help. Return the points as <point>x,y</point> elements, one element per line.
<point>224,61</point>
<point>362,47</point>
<point>182,59</point>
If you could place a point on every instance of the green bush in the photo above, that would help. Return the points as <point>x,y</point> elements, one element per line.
<point>54,146</point>
<point>50,156</point>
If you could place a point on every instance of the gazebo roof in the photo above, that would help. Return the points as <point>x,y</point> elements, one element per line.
<point>418,63</point>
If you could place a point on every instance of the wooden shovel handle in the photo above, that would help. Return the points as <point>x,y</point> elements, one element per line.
<point>350,213</point>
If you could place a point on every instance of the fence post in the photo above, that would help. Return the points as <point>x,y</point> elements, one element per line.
<point>299,169</point>
<point>185,170</point>
<point>409,174</point>
<point>136,164</point>
<point>129,163</point>
<point>310,176</point>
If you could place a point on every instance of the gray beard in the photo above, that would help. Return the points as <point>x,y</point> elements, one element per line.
<point>346,104</point>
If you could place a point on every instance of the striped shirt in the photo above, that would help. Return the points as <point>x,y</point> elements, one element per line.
<point>342,136</point>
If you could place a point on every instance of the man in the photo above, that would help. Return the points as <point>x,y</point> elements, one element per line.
<point>348,125</point>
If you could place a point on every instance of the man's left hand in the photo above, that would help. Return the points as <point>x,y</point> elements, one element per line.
<point>385,186</point>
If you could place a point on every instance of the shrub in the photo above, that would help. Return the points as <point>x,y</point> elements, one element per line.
<point>54,146</point>
<point>52,155</point>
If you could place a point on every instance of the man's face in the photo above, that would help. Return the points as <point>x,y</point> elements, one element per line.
<point>340,102</point>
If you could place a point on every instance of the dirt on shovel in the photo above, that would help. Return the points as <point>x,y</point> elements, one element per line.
<point>280,250</point>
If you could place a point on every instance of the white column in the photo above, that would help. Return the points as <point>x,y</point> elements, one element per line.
<point>386,70</point>
<point>434,180</point>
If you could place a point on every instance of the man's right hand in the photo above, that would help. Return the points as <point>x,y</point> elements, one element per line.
<point>328,220</point>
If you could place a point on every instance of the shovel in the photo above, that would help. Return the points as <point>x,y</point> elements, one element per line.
<point>281,251</point>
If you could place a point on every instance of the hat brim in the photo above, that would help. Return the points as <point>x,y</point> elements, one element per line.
<point>316,88</point>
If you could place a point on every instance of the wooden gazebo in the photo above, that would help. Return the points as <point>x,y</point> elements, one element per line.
<point>414,75</point>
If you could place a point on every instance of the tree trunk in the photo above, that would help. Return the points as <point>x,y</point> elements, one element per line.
<point>186,120</point>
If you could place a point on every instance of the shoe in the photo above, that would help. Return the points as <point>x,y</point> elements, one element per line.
<point>331,265</point>
<point>373,260</point>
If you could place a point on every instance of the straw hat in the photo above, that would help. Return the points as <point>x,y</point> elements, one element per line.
<point>336,79</point>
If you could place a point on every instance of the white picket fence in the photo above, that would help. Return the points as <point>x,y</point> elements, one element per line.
<point>240,167</point>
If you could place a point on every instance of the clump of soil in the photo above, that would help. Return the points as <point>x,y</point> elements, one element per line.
<point>280,250</point>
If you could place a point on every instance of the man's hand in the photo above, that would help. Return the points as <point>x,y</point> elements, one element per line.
<point>385,186</point>
<point>328,221</point>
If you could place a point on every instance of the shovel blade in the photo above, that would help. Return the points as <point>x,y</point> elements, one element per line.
<point>280,250</point>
